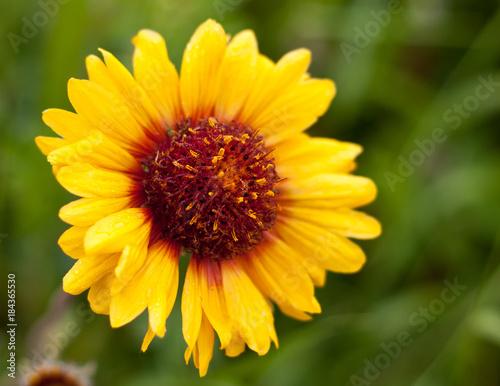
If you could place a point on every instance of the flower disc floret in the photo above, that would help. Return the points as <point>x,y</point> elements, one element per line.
<point>212,187</point>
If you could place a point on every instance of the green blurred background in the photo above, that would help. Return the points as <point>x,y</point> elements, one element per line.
<point>401,82</point>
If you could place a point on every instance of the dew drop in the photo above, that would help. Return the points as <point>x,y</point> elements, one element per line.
<point>118,225</point>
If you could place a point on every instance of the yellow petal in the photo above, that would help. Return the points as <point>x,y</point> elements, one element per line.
<point>87,211</point>
<point>147,339</point>
<point>200,71</point>
<point>86,181</point>
<point>330,250</point>
<point>157,75</point>
<point>276,270</point>
<point>204,346</point>
<point>317,273</point>
<point>213,301</point>
<point>328,191</point>
<point>315,270</point>
<point>100,295</point>
<point>99,74</point>
<point>111,114</point>
<point>191,307</point>
<point>164,258</point>
<point>291,68</point>
<point>248,309</point>
<point>295,111</point>
<point>293,147</point>
<point>236,346</point>
<point>145,276</point>
<point>114,232</point>
<point>345,221</point>
<point>67,124</point>
<point>141,107</point>
<point>288,309</point>
<point>131,261</point>
<point>133,297</point>
<point>87,271</point>
<point>98,151</point>
<point>304,156</point>
<point>273,81</point>
<point>238,71</point>
<point>55,170</point>
<point>72,241</point>
<point>48,144</point>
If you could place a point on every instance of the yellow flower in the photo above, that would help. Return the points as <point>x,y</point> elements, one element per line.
<point>216,162</point>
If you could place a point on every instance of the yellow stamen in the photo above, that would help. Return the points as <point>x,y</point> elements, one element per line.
<point>212,121</point>
<point>251,214</point>
<point>270,152</point>
<point>254,134</point>
<point>194,219</point>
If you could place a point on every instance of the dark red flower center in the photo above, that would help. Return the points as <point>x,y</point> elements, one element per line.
<point>212,187</point>
<point>54,376</point>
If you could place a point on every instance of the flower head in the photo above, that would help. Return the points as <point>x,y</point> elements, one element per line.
<point>58,373</point>
<point>216,162</point>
